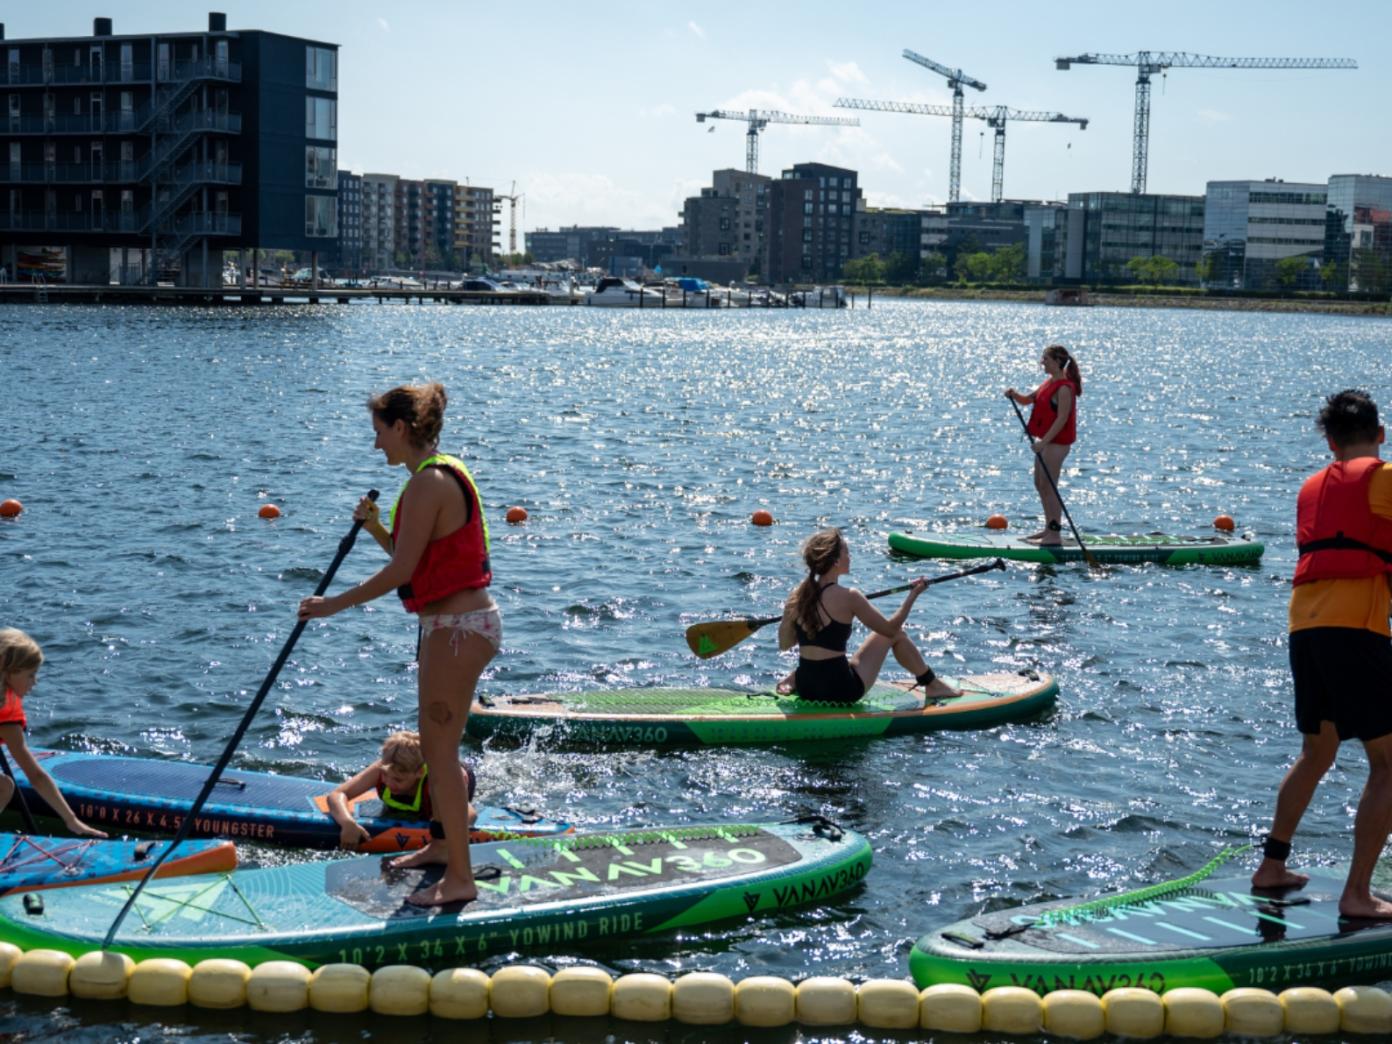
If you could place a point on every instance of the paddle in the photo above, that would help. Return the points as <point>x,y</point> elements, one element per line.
<point>344,546</point>
<point>1054,486</point>
<point>24,812</point>
<point>717,636</point>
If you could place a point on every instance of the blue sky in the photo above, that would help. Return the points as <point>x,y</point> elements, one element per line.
<point>589,106</point>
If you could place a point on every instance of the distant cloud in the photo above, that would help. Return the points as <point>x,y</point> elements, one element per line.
<point>696,30</point>
<point>386,28</point>
<point>580,198</point>
<point>847,72</point>
<point>1214,116</point>
<point>657,111</point>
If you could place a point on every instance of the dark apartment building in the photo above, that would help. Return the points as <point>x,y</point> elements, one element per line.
<point>141,157</point>
<point>349,256</point>
<point>811,224</point>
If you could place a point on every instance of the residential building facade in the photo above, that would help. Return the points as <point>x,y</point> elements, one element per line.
<point>1251,226</point>
<point>476,226</point>
<point>1107,229</point>
<point>811,223</point>
<point>349,257</point>
<point>142,157</point>
<point>379,222</point>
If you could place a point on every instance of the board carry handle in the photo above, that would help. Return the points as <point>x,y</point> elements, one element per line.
<point>344,546</point>
<point>1091,561</point>
<point>713,637</point>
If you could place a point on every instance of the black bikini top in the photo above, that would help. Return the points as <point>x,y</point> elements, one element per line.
<point>834,636</point>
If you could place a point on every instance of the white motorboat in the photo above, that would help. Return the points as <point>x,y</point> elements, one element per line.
<point>613,292</point>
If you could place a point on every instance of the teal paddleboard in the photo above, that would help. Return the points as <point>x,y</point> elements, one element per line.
<point>559,895</point>
<point>662,717</point>
<point>1216,935</point>
<point>1110,548</point>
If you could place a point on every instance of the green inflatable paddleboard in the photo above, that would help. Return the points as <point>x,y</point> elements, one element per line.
<point>1152,547</point>
<point>1215,935</point>
<point>559,895</point>
<point>682,717</point>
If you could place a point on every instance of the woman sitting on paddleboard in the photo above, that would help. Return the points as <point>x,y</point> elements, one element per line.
<point>438,541</point>
<point>817,619</point>
<point>1054,424</point>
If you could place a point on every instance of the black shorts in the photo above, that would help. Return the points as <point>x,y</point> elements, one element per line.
<point>1342,675</point>
<point>828,681</point>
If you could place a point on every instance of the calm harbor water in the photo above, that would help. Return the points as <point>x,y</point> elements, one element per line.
<point>142,442</point>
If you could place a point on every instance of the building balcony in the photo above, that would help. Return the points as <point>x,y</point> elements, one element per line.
<point>70,221</point>
<point>55,74</point>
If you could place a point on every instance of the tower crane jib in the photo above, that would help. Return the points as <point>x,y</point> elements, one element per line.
<point>758,119</point>
<point>956,79</point>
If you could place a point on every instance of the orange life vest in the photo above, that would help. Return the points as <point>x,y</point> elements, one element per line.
<point>455,562</point>
<point>1338,536</point>
<point>1044,412</point>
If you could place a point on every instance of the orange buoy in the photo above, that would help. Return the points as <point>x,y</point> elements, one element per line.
<point>516,515</point>
<point>10,508</point>
<point>761,518</point>
<point>269,511</point>
<point>1225,523</point>
<point>996,522</point>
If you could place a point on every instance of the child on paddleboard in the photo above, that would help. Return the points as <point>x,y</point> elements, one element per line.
<point>1341,646</point>
<point>817,619</point>
<point>20,660</point>
<point>1053,422</point>
<point>399,777</point>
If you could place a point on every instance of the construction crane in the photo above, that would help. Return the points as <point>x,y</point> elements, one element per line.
<point>513,197</point>
<point>956,79</point>
<point>1148,63</point>
<point>758,119</point>
<point>996,117</point>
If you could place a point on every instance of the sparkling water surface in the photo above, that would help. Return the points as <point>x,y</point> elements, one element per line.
<point>143,441</point>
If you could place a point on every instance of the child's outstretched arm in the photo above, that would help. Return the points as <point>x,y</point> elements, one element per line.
<point>352,833</point>
<point>41,781</point>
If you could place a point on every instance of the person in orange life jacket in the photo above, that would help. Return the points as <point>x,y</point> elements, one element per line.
<point>399,780</point>
<point>438,542</point>
<point>817,619</point>
<point>20,660</point>
<point>1341,646</point>
<point>1053,422</point>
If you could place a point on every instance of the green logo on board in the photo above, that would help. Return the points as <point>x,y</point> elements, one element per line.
<point>705,645</point>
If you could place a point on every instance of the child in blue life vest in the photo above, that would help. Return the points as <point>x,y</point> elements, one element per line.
<point>20,660</point>
<point>399,779</point>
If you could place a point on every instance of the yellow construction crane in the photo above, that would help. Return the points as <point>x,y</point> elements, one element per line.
<point>956,79</point>
<point>1148,63</point>
<point>996,117</point>
<point>512,197</point>
<point>758,119</point>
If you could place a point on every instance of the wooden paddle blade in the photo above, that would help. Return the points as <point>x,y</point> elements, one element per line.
<point>717,636</point>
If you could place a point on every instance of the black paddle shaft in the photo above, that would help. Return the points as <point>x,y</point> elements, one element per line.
<point>1052,484</point>
<point>24,812</point>
<point>344,546</point>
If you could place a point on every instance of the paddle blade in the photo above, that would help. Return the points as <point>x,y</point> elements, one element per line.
<point>717,636</point>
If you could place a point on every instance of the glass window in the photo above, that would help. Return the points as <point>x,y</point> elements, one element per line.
<point>321,68</point>
<point>321,118</point>
<point>321,169</point>
<point>321,216</point>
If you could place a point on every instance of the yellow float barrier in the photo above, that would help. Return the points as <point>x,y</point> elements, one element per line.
<point>1074,1013</point>
<point>159,981</point>
<point>581,991</point>
<point>340,988</point>
<point>1192,1012</point>
<point>459,993</point>
<point>1309,1010</point>
<point>888,1004</point>
<point>1013,1010</point>
<point>278,986</point>
<point>1364,1009</point>
<point>1249,1012</point>
<point>950,1008</point>
<point>641,997</point>
<point>703,999</point>
<point>1134,1012</point>
<point>765,1000</point>
<point>825,1001</point>
<point>520,991</point>
<point>100,976</point>
<point>218,983</point>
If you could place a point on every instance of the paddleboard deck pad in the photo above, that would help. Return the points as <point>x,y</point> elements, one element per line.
<point>559,895</point>
<point>152,796</point>
<point>1153,547</point>
<point>1215,935</point>
<point>32,863</point>
<point>676,717</point>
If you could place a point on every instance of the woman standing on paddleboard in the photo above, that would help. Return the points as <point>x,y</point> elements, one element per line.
<point>817,619</point>
<point>438,542</point>
<point>1054,424</point>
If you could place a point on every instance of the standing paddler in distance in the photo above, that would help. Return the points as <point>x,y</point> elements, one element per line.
<point>1341,646</point>
<point>438,542</point>
<point>1053,422</point>
<point>817,619</point>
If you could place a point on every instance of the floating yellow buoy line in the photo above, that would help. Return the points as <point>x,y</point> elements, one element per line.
<point>697,998</point>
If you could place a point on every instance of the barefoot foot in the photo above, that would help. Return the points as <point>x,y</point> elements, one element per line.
<point>1273,874</point>
<point>442,892</point>
<point>433,854</point>
<point>1365,907</point>
<point>938,689</point>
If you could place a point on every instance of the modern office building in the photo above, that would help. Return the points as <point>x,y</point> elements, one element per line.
<point>1251,226</point>
<point>887,231</point>
<point>971,226</point>
<point>349,257</point>
<point>379,222</point>
<point>1107,229</point>
<point>143,157</point>
<point>811,223</point>
<point>1358,232</point>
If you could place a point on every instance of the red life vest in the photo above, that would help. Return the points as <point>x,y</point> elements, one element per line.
<point>1044,412</point>
<point>12,710</point>
<point>1338,535</point>
<point>453,563</point>
<point>416,807</point>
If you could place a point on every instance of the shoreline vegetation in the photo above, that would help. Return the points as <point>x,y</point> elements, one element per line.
<point>1138,297</point>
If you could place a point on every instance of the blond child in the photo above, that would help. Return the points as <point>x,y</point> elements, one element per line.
<point>20,660</point>
<point>400,779</point>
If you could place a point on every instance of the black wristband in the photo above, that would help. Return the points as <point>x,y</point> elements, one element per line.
<point>1275,849</point>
